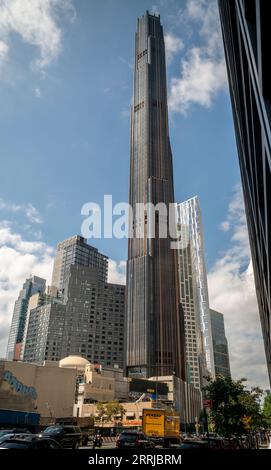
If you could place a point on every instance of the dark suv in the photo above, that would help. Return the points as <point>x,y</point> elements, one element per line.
<point>67,435</point>
<point>134,439</point>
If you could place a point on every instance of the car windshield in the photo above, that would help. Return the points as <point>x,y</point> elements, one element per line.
<point>4,432</point>
<point>52,430</point>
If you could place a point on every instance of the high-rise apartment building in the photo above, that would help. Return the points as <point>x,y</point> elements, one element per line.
<point>32,285</point>
<point>76,250</point>
<point>155,341</point>
<point>189,215</point>
<point>246,35</point>
<point>194,350</point>
<point>220,344</point>
<point>88,320</point>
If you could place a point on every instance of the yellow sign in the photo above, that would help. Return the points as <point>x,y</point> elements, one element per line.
<point>153,422</point>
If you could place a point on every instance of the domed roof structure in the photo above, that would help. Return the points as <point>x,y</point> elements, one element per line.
<point>74,362</point>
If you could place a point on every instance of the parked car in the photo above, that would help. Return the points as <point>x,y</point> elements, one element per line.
<point>68,436</point>
<point>216,443</point>
<point>16,436</point>
<point>134,439</point>
<point>4,432</point>
<point>38,443</point>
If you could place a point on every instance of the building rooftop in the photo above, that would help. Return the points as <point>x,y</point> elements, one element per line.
<point>74,362</point>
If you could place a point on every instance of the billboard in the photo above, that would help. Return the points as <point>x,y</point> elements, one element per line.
<point>148,386</point>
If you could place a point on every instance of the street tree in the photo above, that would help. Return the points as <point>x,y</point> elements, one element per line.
<point>114,409</point>
<point>267,411</point>
<point>235,409</point>
<point>101,413</point>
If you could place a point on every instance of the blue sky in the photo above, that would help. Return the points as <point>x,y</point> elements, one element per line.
<point>65,87</point>
<point>71,144</point>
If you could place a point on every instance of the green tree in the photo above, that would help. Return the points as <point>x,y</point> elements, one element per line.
<point>235,410</point>
<point>113,410</point>
<point>101,413</point>
<point>108,412</point>
<point>267,410</point>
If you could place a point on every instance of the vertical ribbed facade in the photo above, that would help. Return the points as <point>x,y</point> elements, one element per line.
<point>154,327</point>
<point>246,35</point>
<point>189,301</point>
<point>189,214</point>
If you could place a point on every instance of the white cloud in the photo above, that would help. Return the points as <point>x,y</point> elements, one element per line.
<point>203,71</point>
<point>232,292</point>
<point>3,51</point>
<point>37,92</point>
<point>28,210</point>
<point>116,272</point>
<point>173,45</point>
<point>201,79</point>
<point>225,226</point>
<point>36,23</point>
<point>33,214</point>
<point>19,259</point>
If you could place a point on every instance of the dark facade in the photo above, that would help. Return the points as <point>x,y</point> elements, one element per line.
<point>155,342</point>
<point>246,35</point>
<point>220,344</point>
<point>88,320</point>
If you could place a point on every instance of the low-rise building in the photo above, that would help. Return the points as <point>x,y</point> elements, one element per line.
<point>44,389</point>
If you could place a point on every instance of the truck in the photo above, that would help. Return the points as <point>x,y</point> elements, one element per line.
<point>161,425</point>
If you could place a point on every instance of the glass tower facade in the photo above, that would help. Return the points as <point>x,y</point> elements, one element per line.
<point>246,35</point>
<point>220,344</point>
<point>155,341</point>
<point>189,214</point>
<point>31,286</point>
<point>189,304</point>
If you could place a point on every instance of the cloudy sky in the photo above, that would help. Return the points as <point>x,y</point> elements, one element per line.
<point>66,88</point>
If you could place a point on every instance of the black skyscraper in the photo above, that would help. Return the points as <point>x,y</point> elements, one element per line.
<point>247,41</point>
<point>154,319</point>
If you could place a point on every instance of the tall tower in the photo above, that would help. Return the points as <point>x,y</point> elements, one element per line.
<point>189,300</point>
<point>155,342</point>
<point>189,214</point>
